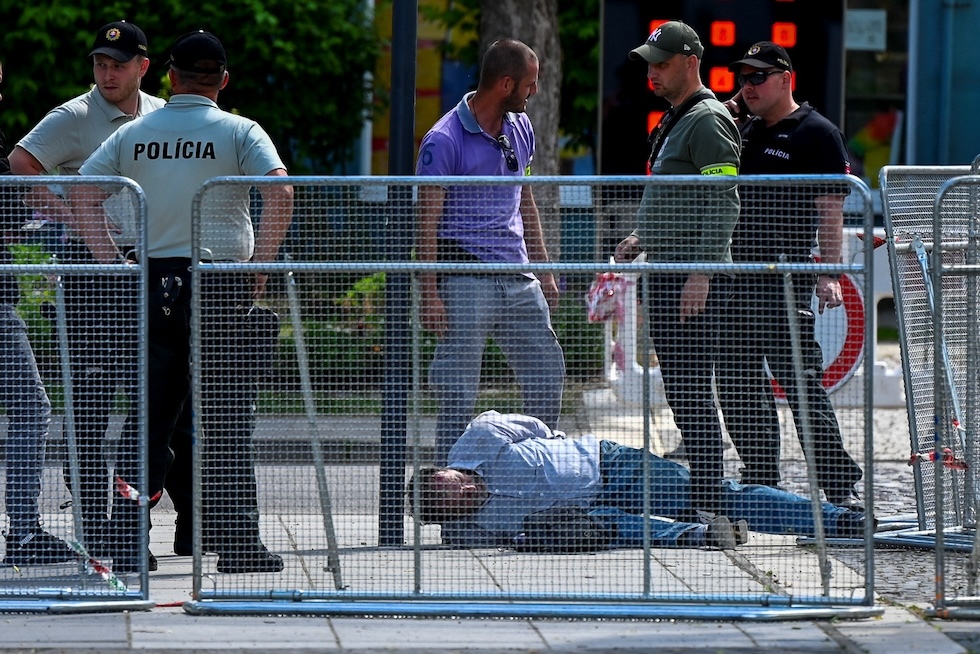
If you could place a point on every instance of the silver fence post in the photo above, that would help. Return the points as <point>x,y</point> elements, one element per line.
<point>69,421</point>
<point>806,429</point>
<point>316,446</point>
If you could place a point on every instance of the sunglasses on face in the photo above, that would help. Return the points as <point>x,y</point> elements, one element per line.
<point>509,154</point>
<point>756,78</point>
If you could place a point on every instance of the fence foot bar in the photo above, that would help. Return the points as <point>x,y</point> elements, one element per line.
<point>63,607</point>
<point>639,611</point>
<point>954,613</point>
<point>954,540</point>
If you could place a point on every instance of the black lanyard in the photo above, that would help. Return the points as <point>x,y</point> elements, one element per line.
<point>671,118</point>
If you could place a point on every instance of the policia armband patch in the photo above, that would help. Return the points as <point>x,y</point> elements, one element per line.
<point>720,169</point>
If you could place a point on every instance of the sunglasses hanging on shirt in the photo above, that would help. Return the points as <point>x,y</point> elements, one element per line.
<point>509,154</point>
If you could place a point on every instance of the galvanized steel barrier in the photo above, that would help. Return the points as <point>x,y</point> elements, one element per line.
<point>73,367</point>
<point>908,196</point>
<point>932,220</point>
<point>339,429</point>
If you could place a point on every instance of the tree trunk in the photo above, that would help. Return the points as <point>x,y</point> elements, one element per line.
<point>535,22</point>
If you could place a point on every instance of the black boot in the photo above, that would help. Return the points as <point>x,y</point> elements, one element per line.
<point>124,538</point>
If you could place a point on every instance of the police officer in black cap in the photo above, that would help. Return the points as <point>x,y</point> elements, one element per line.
<point>783,136</point>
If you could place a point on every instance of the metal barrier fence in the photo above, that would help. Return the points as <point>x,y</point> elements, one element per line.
<point>908,196</point>
<point>932,215</point>
<point>349,392</point>
<point>72,366</point>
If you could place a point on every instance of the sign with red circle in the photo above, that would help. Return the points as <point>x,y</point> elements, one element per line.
<point>840,333</point>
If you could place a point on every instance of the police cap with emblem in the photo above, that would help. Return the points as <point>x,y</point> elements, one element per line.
<point>762,55</point>
<point>120,40</point>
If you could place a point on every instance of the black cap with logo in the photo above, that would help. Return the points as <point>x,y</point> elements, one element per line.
<point>669,39</point>
<point>764,54</point>
<point>120,40</point>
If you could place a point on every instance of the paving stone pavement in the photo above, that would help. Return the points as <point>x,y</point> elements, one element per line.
<point>904,580</point>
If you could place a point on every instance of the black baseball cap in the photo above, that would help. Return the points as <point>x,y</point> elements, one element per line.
<point>120,40</point>
<point>670,38</point>
<point>199,52</point>
<point>764,54</point>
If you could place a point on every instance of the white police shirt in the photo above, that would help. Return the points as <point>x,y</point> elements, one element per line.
<point>170,154</point>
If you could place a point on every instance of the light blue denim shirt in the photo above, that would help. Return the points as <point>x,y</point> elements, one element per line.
<point>526,468</point>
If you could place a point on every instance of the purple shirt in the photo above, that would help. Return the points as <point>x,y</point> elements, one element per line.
<point>483,220</point>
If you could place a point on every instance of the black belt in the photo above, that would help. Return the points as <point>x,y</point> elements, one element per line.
<point>169,263</point>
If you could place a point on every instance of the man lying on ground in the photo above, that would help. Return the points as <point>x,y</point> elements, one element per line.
<point>505,467</point>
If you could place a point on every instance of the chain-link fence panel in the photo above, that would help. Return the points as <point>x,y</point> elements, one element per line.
<point>950,263</point>
<point>417,422</point>
<point>908,196</point>
<point>73,462</point>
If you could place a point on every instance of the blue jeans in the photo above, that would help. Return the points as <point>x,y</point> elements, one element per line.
<point>766,509</point>
<point>513,311</point>
<point>28,415</point>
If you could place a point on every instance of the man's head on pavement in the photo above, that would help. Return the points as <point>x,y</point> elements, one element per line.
<point>446,494</point>
<point>120,59</point>
<point>509,72</point>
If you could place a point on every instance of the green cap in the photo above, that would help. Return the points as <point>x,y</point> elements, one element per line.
<point>671,38</point>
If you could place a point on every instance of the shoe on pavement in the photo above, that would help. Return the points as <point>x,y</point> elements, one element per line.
<point>123,564</point>
<point>846,499</point>
<point>851,525</point>
<point>741,529</point>
<point>184,537</point>
<point>253,558</point>
<point>36,547</point>
<point>720,534</point>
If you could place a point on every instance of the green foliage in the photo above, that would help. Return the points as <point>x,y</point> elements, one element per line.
<point>35,292</point>
<point>578,29</point>
<point>347,351</point>
<point>297,67</point>
<point>583,342</point>
<point>462,16</point>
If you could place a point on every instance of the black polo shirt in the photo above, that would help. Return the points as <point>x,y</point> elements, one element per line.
<point>783,220</point>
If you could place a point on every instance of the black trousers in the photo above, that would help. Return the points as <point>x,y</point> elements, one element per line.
<point>686,352</point>
<point>757,330</point>
<point>228,398</point>
<point>102,321</point>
